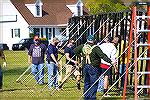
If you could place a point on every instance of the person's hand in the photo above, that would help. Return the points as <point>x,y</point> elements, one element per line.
<point>4,64</point>
<point>75,62</point>
<point>58,64</point>
<point>29,61</point>
<point>116,70</point>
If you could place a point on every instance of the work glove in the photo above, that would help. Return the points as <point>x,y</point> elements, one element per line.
<point>4,64</point>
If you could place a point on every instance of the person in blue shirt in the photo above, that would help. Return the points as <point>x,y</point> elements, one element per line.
<point>36,57</point>
<point>71,64</point>
<point>52,63</point>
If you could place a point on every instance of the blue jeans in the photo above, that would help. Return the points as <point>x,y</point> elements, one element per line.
<point>101,84</point>
<point>91,74</point>
<point>121,71</point>
<point>52,74</point>
<point>1,77</point>
<point>38,72</point>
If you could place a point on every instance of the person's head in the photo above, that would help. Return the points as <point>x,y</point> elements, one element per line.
<point>90,39</point>
<point>108,40</point>
<point>55,41</point>
<point>115,40</point>
<point>36,40</point>
<point>71,41</point>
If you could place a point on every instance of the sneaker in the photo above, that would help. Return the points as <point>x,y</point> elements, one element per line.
<point>107,95</point>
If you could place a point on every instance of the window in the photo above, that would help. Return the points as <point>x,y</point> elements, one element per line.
<point>38,10</point>
<point>79,10</point>
<point>15,32</point>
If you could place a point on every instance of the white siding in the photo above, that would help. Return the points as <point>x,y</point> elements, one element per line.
<point>6,34</point>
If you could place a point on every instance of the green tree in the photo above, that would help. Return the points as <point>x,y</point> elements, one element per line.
<point>97,6</point>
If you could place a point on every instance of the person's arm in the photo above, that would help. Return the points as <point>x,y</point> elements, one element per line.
<point>102,55</point>
<point>30,55</point>
<point>68,58</point>
<point>3,57</point>
<point>114,59</point>
<point>50,51</point>
<point>78,49</point>
<point>29,59</point>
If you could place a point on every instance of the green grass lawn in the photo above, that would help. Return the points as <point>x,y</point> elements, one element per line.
<point>16,64</point>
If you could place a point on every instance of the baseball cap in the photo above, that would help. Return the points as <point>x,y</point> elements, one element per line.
<point>91,38</point>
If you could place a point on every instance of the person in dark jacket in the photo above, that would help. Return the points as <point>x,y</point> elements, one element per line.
<point>2,60</point>
<point>92,56</point>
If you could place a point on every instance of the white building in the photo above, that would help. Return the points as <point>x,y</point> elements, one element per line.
<point>47,18</point>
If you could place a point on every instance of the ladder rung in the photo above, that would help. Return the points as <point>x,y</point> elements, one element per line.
<point>142,3</point>
<point>143,44</point>
<point>143,17</point>
<point>143,72</point>
<point>143,86</point>
<point>143,30</point>
<point>140,58</point>
<point>143,58</point>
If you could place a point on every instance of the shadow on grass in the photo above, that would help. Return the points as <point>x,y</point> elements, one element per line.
<point>15,71</point>
<point>4,90</point>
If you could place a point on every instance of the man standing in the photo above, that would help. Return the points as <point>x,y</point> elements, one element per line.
<point>36,55</point>
<point>2,59</point>
<point>109,48</point>
<point>92,56</point>
<point>52,63</point>
<point>71,64</point>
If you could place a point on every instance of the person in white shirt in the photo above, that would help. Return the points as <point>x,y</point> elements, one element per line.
<point>109,48</point>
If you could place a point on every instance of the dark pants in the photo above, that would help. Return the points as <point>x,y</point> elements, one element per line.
<point>121,71</point>
<point>91,74</point>
<point>1,78</point>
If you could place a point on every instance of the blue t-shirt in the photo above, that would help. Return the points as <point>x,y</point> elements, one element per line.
<point>71,54</point>
<point>51,50</point>
<point>37,53</point>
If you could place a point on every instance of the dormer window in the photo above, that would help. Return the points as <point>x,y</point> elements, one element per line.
<point>37,10</point>
<point>79,10</point>
<point>76,9</point>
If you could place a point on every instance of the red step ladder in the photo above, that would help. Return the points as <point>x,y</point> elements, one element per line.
<point>134,29</point>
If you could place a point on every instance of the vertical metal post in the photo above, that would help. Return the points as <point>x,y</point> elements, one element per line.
<point>135,57</point>
<point>148,53</point>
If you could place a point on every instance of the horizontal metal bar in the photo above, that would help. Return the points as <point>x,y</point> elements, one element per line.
<point>143,30</point>
<point>143,72</point>
<point>143,17</point>
<point>142,3</point>
<point>143,58</point>
<point>143,44</point>
<point>143,86</point>
<point>140,58</point>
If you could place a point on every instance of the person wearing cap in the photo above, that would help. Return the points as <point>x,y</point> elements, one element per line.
<point>92,56</point>
<point>36,57</point>
<point>109,48</point>
<point>71,64</point>
<point>52,63</point>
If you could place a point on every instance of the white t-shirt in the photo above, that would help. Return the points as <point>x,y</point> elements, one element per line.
<point>110,50</point>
